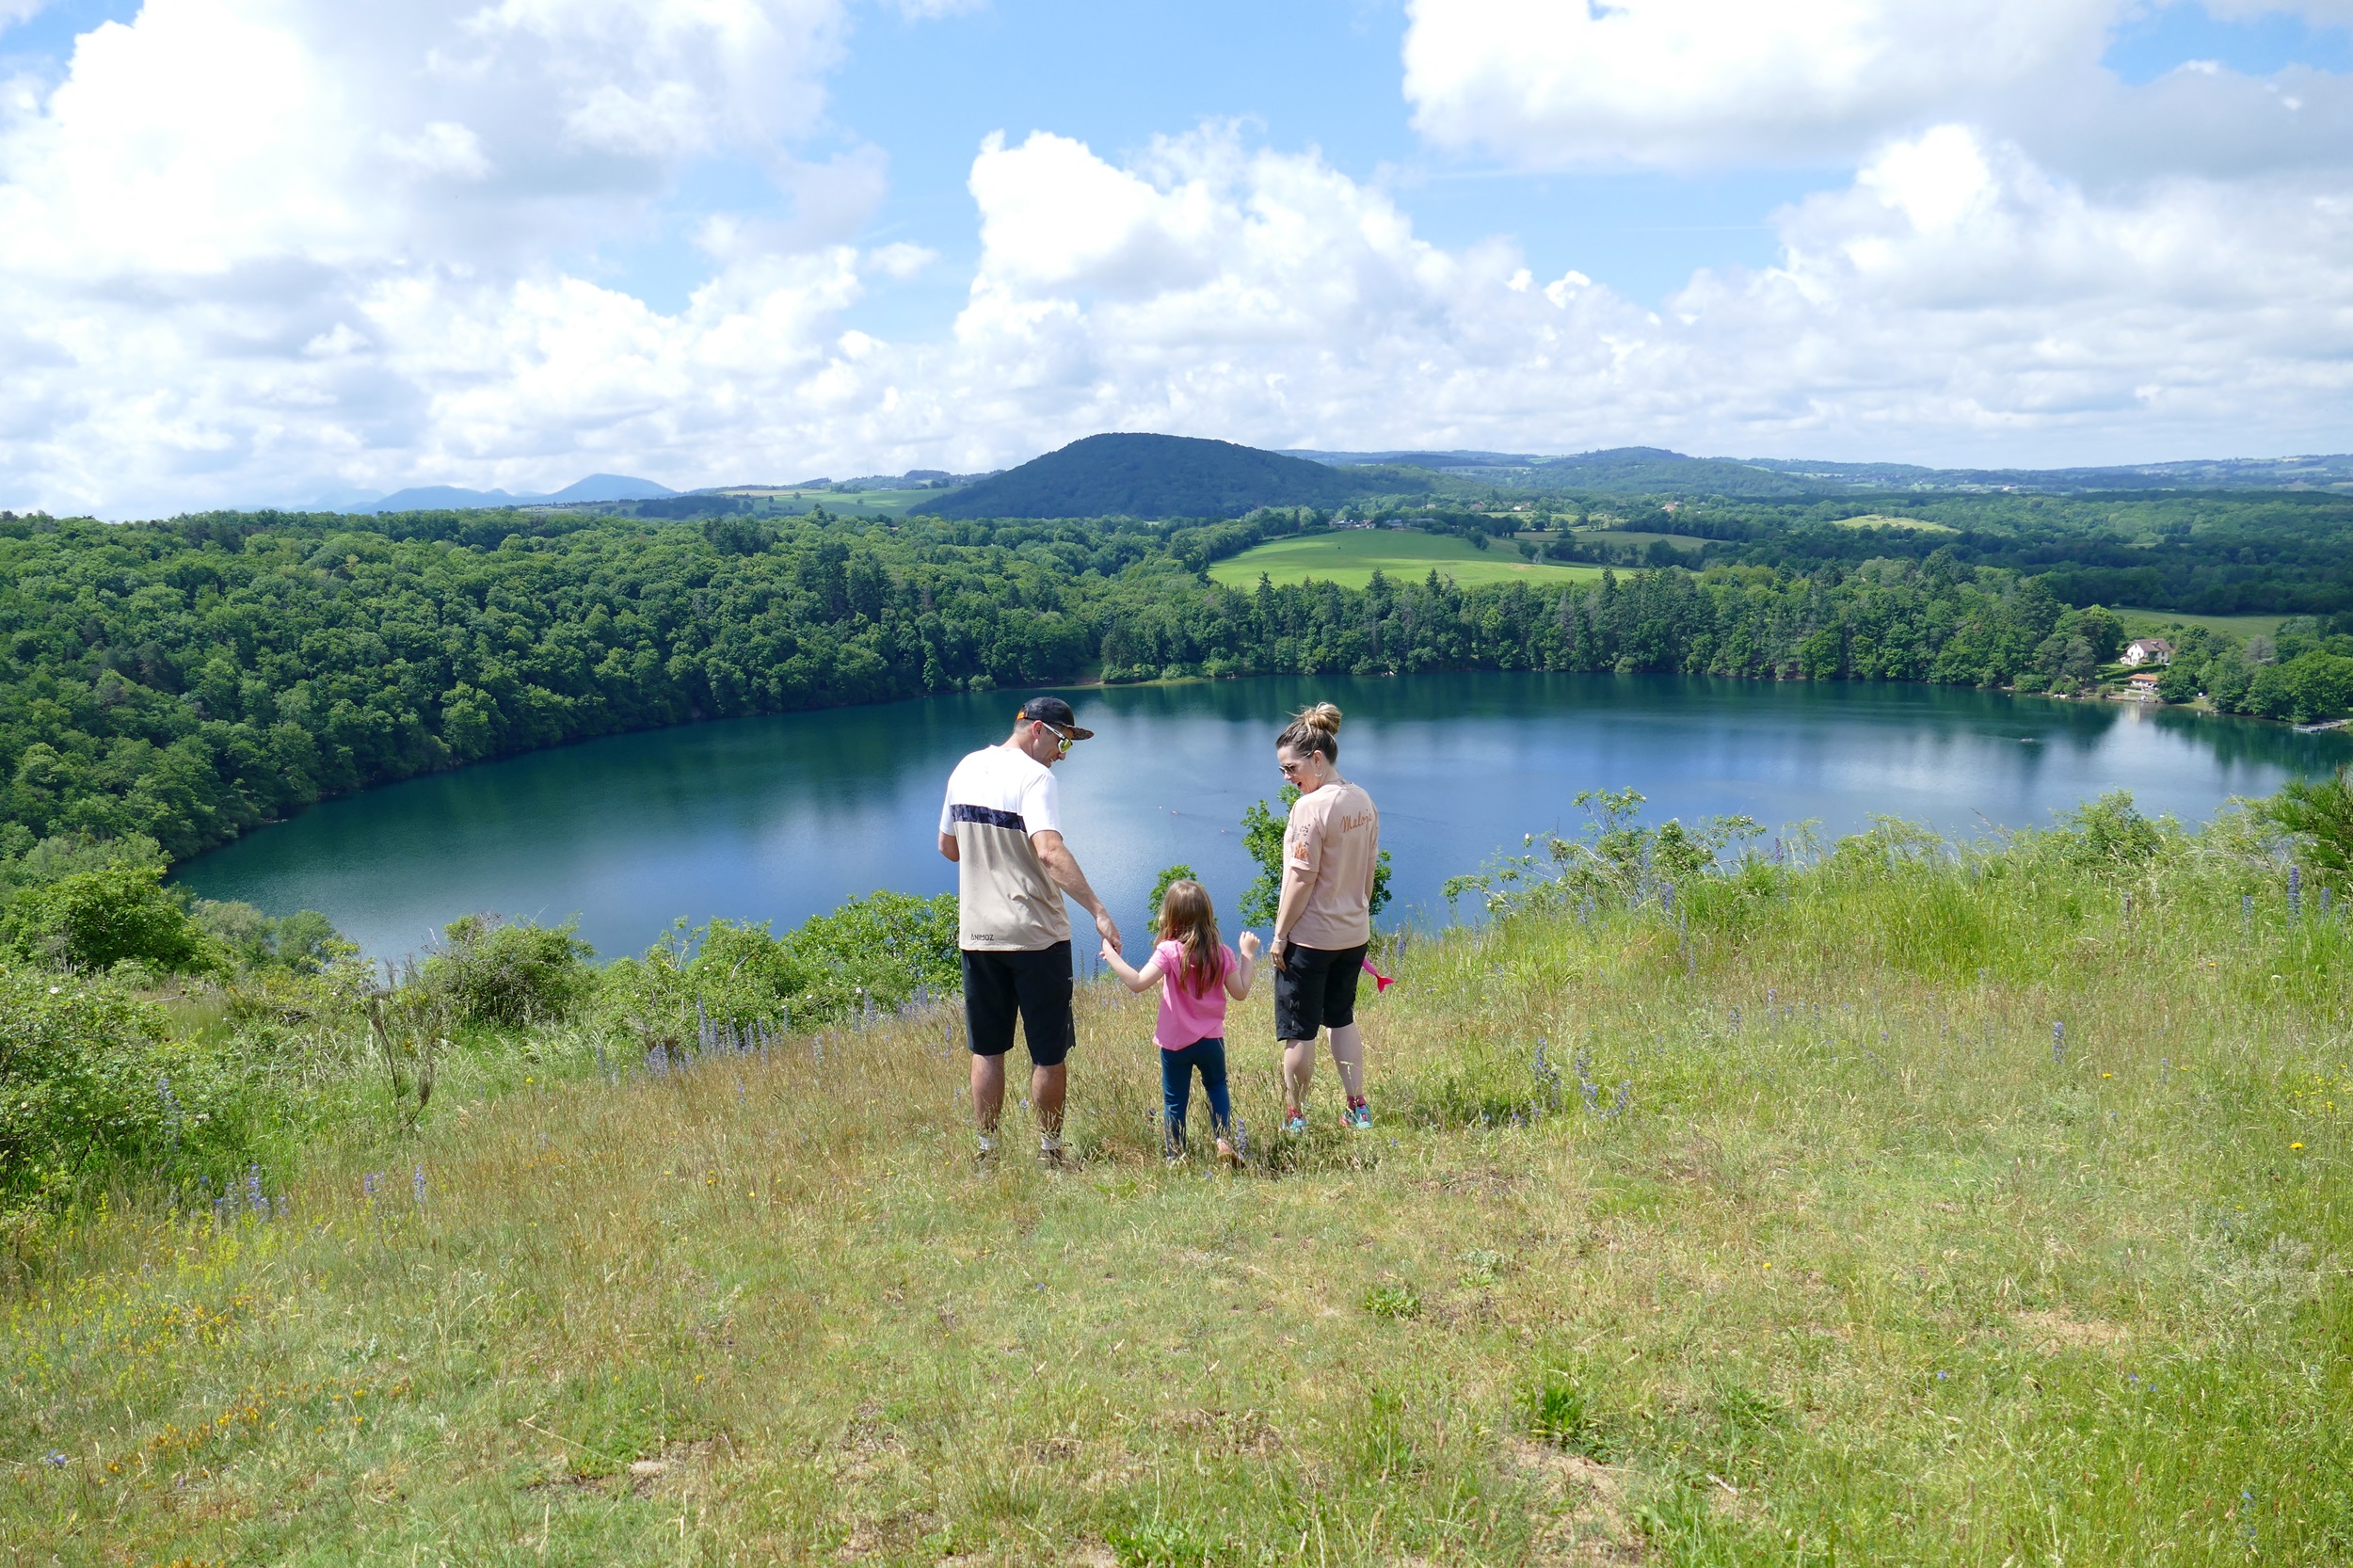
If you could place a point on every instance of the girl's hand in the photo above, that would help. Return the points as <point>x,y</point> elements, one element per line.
<point>1109,952</point>
<point>1250,944</point>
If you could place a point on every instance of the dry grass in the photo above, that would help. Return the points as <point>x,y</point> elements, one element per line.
<point>1865,1271</point>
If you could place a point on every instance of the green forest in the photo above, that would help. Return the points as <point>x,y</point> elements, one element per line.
<point>186,681</point>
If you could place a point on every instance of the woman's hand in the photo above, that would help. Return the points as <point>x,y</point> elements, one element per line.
<point>1250,944</point>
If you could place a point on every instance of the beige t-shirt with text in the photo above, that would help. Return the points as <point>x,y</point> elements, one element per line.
<point>1331,847</point>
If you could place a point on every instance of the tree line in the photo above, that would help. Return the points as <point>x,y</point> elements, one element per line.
<point>187,682</point>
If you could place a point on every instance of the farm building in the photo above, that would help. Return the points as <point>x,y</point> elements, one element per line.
<point>2148,650</point>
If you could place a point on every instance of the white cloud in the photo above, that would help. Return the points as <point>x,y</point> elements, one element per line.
<point>254,250</point>
<point>1684,81</point>
<point>1732,83</point>
<point>1953,298</point>
<point>217,226</point>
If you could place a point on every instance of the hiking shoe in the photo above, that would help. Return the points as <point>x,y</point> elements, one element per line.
<point>1228,1156</point>
<point>1358,1117</point>
<point>1054,1160</point>
<point>1295,1123</point>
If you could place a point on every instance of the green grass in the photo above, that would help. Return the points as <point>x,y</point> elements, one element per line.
<point>1634,537</point>
<point>1914,525</point>
<point>889,504</point>
<point>1349,557</point>
<point>1871,1268</point>
<point>2154,623</point>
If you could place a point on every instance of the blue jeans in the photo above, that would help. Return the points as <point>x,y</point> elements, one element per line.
<point>1177,1068</point>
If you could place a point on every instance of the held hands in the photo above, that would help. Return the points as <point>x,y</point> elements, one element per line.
<point>1250,944</point>
<point>1108,930</point>
<point>1110,951</point>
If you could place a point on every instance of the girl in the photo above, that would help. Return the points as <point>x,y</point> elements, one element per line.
<point>1196,973</point>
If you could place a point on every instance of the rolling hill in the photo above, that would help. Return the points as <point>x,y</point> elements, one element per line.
<point>1165,476</point>
<point>597,486</point>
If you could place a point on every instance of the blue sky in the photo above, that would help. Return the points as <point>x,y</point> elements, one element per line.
<point>1512,223</point>
<point>1319,73</point>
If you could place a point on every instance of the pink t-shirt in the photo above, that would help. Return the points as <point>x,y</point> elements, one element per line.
<point>1185,1016</point>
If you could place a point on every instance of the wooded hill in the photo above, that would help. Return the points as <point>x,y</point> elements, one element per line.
<point>1168,477</point>
<point>192,680</point>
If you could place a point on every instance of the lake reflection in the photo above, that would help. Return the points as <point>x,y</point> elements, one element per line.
<point>780,818</point>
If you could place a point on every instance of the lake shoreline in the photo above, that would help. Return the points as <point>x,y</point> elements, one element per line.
<point>779,817</point>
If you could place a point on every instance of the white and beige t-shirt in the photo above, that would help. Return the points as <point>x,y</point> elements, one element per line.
<point>1005,903</point>
<point>1331,848</point>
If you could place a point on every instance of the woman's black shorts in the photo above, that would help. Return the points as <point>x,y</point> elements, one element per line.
<point>1316,990</point>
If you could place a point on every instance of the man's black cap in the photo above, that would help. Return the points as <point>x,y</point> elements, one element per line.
<point>1054,710</point>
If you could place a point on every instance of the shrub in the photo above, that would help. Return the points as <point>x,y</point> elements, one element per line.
<point>305,942</point>
<point>93,920</point>
<point>2110,833</point>
<point>91,1085</point>
<point>2321,813</point>
<point>879,949</point>
<point>508,975</point>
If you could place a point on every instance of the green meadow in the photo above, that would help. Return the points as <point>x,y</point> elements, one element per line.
<point>1350,557</point>
<point>2154,623</point>
<point>1904,1203</point>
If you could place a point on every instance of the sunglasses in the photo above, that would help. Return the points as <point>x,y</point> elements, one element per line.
<point>1064,749</point>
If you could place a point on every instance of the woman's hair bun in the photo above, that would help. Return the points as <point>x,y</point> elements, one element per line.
<point>1321,715</point>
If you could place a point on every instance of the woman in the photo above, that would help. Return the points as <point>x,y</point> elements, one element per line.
<point>1331,848</point>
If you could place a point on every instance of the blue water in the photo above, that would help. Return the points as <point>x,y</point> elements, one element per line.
<point>780,818</point>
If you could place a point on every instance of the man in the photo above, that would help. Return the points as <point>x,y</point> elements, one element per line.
<point>1002,825</point>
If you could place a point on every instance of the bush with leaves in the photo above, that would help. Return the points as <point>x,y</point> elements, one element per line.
<point>301,943</point>
<point>1615,861</point>
<point>877,950</point>
<point>502,974</point>
<point>2320,813</point>
<point>91,920</point>
<point>95,1089</point>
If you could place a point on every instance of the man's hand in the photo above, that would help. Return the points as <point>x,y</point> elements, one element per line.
<point>1280,951</point>
<point>1108,930</point>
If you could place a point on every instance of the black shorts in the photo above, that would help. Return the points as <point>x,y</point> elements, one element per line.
<point>1036,985</point>
<point>1316,990</point>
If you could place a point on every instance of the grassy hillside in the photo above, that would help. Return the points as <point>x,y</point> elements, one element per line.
<point>1165,476</point>
<point>1350,557</point>
<point>1914,1208</point>
<point>2155,623</point>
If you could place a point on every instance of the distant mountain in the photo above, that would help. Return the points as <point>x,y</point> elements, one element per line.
<point>2210,473</point>
<point>610,486</point>
<point>1621,469</point>
<point>433,498</point>
<point>1438,460</point>
<point>1162,476</point>
<point>1650,470</point>
<point>1647,470</point>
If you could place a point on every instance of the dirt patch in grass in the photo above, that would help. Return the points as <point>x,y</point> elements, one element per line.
<point>1587,1520</point>
<point>2053,1331</point>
